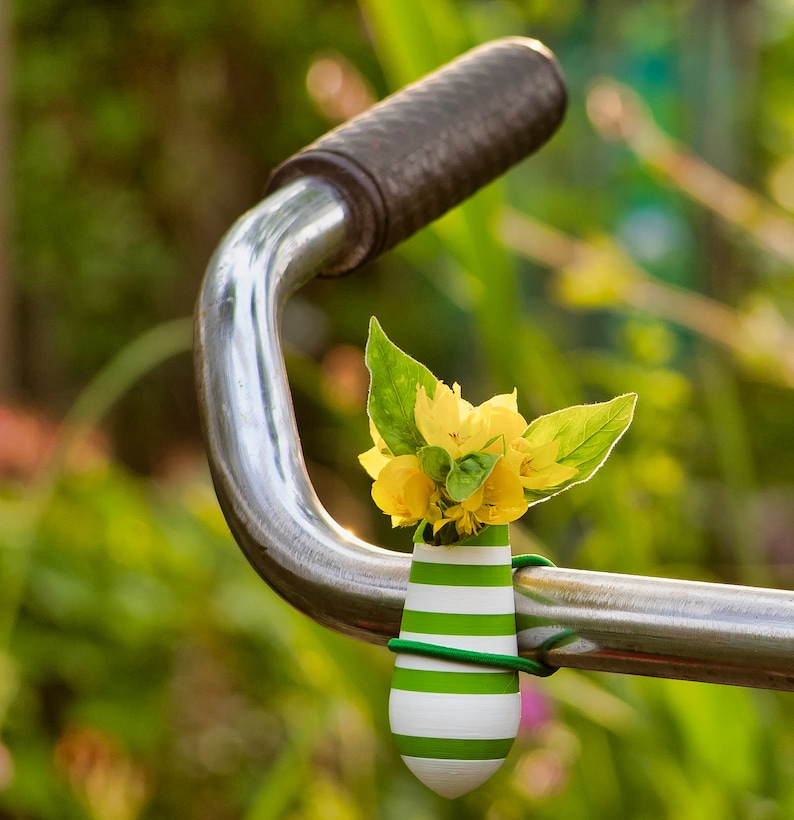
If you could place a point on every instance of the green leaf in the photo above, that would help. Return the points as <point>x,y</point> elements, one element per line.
<point>469,474</point>
<point>435,462</point>
<point>394,378</point>
<point>586,433</point>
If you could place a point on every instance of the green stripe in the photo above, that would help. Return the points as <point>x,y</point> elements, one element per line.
<point>461,575</point>
<point>496,535</point>
<point>456,683</point>
<point>440,748</point>
<point>445,623</point>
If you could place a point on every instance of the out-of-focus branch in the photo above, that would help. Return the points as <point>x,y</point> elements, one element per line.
<point>600,274</point>
<point>618,113</point>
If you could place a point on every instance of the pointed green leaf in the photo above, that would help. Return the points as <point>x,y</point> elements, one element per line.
<point>435,462</point>
<point>394,377</point>
<point>586,433</point>
<point>469,474</point>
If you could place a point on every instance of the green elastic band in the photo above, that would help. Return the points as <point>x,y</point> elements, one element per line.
<point>519,664</point>
<point>520,561</point>
<point>448,653</point>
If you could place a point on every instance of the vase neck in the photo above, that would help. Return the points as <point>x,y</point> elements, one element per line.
<point>493,535</point>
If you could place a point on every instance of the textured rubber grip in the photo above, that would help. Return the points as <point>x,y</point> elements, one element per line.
<point>410,158</point>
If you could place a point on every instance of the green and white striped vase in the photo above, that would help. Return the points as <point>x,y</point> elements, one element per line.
<point>454,723</point>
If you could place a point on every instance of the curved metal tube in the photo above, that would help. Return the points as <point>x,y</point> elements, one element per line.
<point>616,623</point>
<point>249,425</point>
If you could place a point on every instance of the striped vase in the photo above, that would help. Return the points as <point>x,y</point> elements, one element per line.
<point>454,723</point>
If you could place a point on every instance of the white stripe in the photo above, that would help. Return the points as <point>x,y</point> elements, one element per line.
<point>495,644</point>
<point>453,716</point>
<point>460,600</point>
<point>452,778</point>
<point>422,662</point>
<point>485,556</point>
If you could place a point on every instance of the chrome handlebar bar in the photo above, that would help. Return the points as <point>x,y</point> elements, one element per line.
<point>649,626</point>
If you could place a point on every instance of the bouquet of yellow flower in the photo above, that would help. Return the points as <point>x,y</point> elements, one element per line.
<point>463,473</point>
<point>439,459</point>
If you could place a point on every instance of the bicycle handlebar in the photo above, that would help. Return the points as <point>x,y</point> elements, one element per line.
<point>409,159</point>
<point>620,623</point>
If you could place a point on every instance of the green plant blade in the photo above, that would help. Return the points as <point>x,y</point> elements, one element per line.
<point>435,462</point>
<point>586,434</point>
<point>394,378</point>
<point>469,474</point>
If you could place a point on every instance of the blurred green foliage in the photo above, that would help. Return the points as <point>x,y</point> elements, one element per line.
<point>144,670</point>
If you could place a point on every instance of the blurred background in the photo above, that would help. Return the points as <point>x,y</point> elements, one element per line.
<point>145,672</point>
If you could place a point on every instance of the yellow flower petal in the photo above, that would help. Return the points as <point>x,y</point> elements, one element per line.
<point>417,490</point>
<point>373,461</point>
<point>499,501</point>
<point>508,401</point>
<point>507,425</point>
<point>549,477</point>
<point>449,421</point>
<point>377,457</point>
<point>503,488</point>
<point>474,501</point>
<point>403,491</point>
<point>439,419</point>
<point>545,455</point>
<point>536,467</point>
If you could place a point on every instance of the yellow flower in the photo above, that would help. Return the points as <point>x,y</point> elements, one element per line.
<point>500,500</point>
<point>403,491</point>
<point>537,467</point>
<point>449,421</point>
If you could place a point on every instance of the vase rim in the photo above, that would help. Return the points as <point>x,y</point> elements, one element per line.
<point>491,535</point>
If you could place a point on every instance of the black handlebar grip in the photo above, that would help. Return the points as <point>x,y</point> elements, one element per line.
<point>418,153</point>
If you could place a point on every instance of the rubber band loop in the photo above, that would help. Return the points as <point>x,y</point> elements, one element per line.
<point>531,667</point>
<point>531,560</point>
<point>449,653</point>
